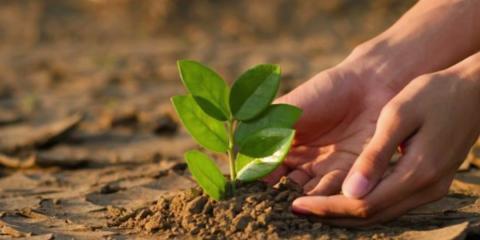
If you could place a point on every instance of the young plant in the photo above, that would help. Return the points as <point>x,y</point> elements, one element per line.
<point>240,122</point>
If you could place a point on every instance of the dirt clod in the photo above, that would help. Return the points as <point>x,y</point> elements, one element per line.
<point>165,126</point>
<point>241,221</point>
<point>197,204</point>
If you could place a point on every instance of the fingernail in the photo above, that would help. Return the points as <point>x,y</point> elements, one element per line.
<point>298,208</point>
<point>356,186</point>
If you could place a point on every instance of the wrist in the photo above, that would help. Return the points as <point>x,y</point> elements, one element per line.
<point>468,72</point>
<point>384,63</point>
<point>420,43</point>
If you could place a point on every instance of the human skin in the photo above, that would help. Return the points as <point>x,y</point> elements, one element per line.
<point>391,91</point>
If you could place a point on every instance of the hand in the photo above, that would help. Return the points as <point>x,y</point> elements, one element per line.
<point>340,109</point>
<point>341,105</point>
<point>436,118</point>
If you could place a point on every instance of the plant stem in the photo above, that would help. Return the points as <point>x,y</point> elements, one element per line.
<point>231,154</point>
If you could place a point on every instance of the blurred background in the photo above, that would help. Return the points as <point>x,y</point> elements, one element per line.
<point>59,56</point>
<point>112,64</point>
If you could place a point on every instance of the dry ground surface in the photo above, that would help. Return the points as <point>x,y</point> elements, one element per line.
<point>86,128</point>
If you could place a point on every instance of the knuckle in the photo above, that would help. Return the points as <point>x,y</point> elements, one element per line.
<point>394,108</point>
<point>438,192</point>
<point>421,172</point>
<point>391,109</point>
<point>434,172</point>
<point>425,178</point>
<point>364,210</point>
<point>424,80</point>
<point>308,168</point>
<point>428,77</point>
<point>368,158</point>
<point>441,190</point>
<point>373,163</point>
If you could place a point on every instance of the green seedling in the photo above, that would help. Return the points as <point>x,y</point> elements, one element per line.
<point>240,122</point>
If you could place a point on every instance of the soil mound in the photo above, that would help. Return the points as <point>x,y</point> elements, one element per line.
<point>258,211</point>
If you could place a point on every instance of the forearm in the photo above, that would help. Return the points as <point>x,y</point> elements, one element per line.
<point>431,36</point>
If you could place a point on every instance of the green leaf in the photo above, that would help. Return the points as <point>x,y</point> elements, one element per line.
<point>265,142</point>
<point>206,130</point>
<point>263,152</point>
<point>206,173</point>
<point>209,90</point>
<point>254,90</point>
<point>276,116</point>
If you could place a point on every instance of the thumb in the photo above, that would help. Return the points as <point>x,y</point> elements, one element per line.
<point>393,127</point>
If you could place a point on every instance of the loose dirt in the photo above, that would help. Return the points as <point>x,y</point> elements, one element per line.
<point>257,211</point>
<point>260,211</point>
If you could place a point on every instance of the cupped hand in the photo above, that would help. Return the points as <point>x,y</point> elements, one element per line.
<point>436,120</point>
<point>340,110</point>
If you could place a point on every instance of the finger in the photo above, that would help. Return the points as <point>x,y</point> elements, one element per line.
<point>414,171</point>
<point>310,185</point>
<point>275,176</point>
<point>394,125</point>
<point>418,199</point>
<point>328,162</point>
<point>329,184</point>
<point>326,206</point>
<point>301,155</point>
<point>313,172</point>
<point>393,189</point>
<point>350,208</point>
<point>300,177</point>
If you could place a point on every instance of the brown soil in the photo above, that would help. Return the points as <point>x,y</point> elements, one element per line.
<point>257,211</point>
<point>260,211</point>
